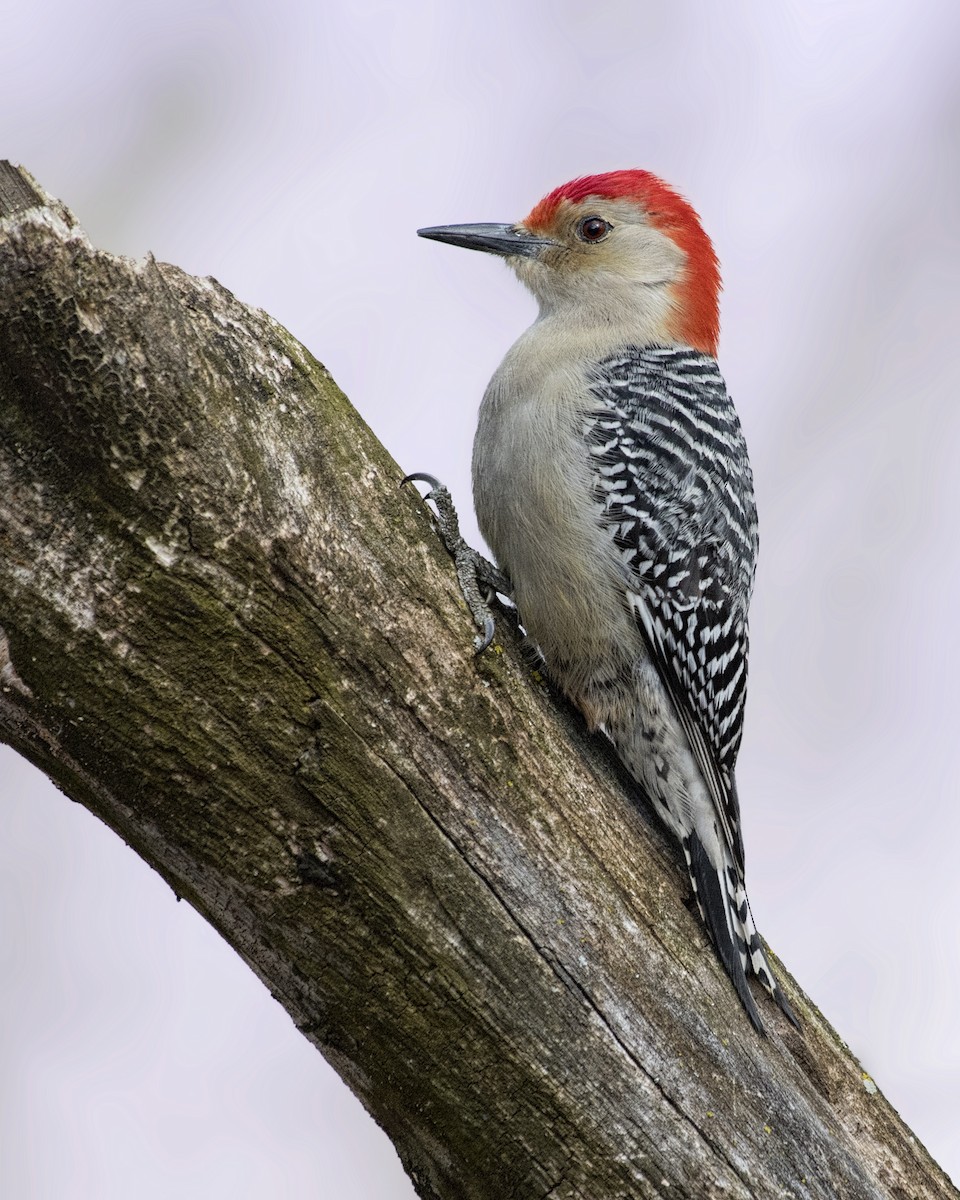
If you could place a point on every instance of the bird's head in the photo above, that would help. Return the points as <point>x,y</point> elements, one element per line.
<point>620,248</point>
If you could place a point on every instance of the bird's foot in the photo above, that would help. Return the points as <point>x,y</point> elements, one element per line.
<point>479,579</point>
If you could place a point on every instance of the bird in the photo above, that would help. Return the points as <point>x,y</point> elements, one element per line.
<point>612,483</point>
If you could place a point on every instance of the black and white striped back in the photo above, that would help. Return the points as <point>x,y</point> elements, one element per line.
<point>672,481</point>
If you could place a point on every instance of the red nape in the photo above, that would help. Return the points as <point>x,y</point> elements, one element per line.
<point>698,318</point>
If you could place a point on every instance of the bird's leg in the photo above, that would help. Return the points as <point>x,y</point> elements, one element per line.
<point>479,579</point>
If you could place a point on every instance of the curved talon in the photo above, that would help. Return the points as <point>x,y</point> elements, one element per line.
<point>483,640</point>
<point>479,579</point>
<point>422,477</point>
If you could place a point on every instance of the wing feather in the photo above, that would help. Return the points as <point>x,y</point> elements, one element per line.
<point>673,484</point>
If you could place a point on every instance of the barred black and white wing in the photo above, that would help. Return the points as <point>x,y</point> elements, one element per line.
<point>673,484</point>
<point>673,488</point>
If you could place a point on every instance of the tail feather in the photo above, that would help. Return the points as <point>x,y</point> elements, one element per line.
<point>725,910</point>
<point>759,963</point>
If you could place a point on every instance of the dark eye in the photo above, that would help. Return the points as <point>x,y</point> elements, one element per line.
<point>593,229</point>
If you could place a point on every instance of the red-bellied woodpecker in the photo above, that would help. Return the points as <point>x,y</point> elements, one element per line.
<point>612,483</point>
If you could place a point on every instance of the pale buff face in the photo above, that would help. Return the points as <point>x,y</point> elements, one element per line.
<point>634,262</point>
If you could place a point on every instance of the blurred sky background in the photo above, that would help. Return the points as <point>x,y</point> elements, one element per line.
<point>291,149</point>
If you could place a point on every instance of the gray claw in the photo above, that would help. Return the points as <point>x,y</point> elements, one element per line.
<point>422,477</point>
<point>479,579</point>
<point>483,640</point>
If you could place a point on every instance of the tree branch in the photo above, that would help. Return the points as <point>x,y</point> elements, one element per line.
<point>229,633</point>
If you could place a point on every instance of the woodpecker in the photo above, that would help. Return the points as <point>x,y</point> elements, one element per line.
<point>612,483</point>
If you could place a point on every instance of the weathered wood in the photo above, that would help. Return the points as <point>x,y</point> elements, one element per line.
<point>229,633</point>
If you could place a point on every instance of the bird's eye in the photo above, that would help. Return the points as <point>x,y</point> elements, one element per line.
<point>593,229</point>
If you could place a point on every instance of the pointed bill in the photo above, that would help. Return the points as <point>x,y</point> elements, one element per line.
<point>506,240</point>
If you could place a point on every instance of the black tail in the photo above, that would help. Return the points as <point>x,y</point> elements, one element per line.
<point>726,913</point>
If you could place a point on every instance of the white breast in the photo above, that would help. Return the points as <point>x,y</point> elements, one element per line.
<point>532,493</point>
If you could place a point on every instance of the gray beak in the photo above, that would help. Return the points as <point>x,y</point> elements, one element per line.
<point>507,240</point>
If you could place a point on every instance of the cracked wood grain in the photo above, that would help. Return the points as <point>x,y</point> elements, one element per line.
<point>230,634</point>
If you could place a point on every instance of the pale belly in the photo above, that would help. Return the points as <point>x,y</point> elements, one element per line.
<point>532,494</point>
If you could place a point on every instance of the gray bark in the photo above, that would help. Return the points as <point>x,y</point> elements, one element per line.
<point>231,635</point>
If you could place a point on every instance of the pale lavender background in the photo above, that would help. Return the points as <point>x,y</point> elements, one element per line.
<point>291,149</point>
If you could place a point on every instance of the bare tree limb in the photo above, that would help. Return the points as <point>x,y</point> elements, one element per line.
<point>228,633</point>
